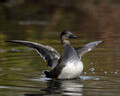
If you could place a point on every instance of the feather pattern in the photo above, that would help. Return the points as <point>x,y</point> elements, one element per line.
<point>86,48</point>
<point>49,54</point>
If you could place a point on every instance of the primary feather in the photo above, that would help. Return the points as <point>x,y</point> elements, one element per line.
<point>49,54</point>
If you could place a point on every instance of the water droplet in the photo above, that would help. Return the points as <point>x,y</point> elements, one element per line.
<point>96,79</point>
<point>92,69</point>
<point>115,72</point>
<point>91,63</point>
<point>105,72</point>
<point>85,73</point>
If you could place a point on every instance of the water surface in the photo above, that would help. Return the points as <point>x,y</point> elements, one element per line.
<point>21,68</point>
<point>21,72</point>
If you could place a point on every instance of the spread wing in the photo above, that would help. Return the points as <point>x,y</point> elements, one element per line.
<point>88,47</point>
<point>49,54</point>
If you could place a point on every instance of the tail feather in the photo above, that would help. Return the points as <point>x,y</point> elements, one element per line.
<point>47,73</point>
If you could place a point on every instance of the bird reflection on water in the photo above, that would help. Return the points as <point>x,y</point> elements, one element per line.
<point>63,87</point>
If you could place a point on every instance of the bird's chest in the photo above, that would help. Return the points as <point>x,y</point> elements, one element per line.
<point>72,69</point>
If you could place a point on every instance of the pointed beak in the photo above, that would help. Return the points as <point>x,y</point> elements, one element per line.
<point>72,36</point>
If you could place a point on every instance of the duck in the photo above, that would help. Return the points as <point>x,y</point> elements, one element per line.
<point>66,66</point>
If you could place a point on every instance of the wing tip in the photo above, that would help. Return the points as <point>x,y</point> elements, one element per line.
<point>7,41</point>
<point>97,42</point>
<point>102,41</point>
<point>10,41</point>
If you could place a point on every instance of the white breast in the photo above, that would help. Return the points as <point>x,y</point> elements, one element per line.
<point>71,70</point>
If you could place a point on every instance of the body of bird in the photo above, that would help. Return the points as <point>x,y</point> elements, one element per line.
<point>73,69</point>
<point>66,66</point>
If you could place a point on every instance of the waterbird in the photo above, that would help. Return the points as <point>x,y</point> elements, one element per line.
<point>66,66</point>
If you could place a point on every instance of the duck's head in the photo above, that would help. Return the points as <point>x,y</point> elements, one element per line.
<point>65,36</point>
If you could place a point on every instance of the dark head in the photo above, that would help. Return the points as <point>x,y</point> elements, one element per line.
<point>65,36</point>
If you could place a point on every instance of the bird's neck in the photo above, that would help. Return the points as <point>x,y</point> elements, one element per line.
<point>65,42</point>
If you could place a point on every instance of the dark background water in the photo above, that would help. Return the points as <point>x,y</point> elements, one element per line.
<point>21,68</point>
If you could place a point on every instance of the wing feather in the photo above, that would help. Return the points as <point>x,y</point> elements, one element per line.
<point>49,54</point>
<point>88,47</point>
